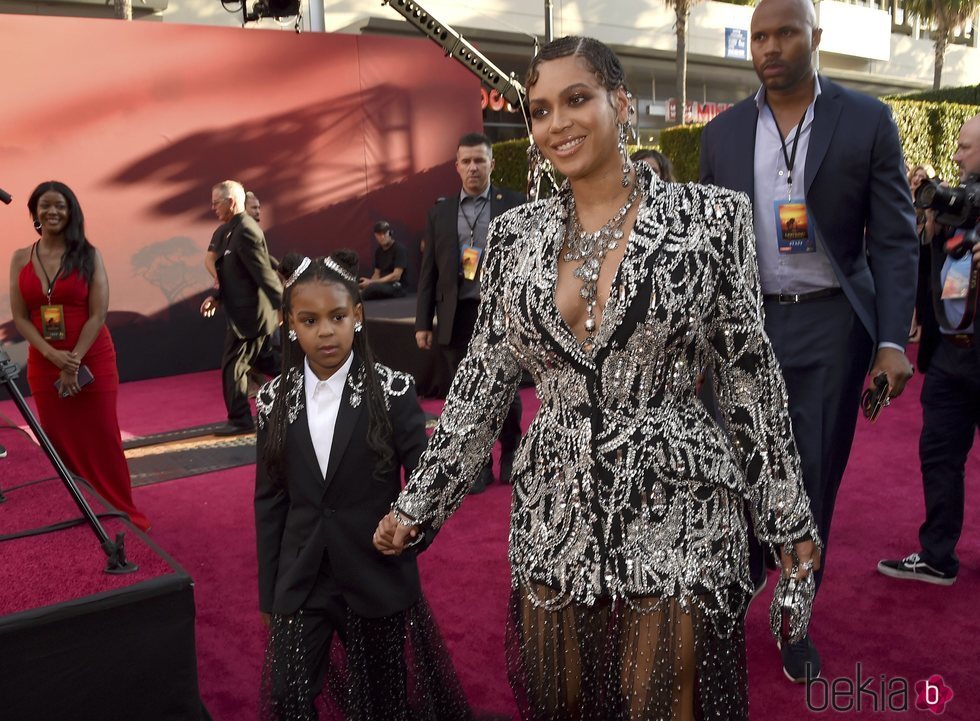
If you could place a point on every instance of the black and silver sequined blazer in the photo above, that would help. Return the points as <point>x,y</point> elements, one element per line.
<point>624,485</point>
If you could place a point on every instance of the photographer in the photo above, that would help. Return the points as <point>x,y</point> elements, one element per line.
<point>951,390</point>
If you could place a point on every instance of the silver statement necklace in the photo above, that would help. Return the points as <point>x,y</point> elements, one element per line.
<point>591,250</point>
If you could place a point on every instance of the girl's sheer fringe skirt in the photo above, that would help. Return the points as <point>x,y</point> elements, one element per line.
<point>392,669</point>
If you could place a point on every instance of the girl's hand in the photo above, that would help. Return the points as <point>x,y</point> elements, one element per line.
<point>391,537</point>
<point>65,360</point>
<point>266,618</point>
<point>809,554</point>
<point>69,383</point>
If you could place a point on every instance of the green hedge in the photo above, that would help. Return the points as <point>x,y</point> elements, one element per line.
<point>510,170</point>
<point>929,132</point>
<point>682,144</point>
<point>966,95</point>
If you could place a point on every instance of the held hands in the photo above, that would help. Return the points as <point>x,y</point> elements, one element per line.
<point>209,306</point>
<point>391,537</point>
<point>423,338</point>
<point>896,367</point>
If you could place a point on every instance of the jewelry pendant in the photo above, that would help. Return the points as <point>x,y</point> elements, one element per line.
<point>590,324</point>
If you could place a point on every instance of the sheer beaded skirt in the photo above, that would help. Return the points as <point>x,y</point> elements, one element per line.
<point>394,668</point>
<point>644,659</point>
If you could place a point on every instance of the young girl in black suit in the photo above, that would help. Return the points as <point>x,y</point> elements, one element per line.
<point>335,431</point>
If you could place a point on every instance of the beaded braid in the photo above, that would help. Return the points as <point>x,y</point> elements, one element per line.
<point>292,357</point>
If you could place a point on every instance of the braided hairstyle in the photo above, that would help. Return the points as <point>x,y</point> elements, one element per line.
<point>379,423</point>
<point>598,56</point>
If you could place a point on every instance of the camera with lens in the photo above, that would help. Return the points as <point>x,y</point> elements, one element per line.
<point>957,207</point>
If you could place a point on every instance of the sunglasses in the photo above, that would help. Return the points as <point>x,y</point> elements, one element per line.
<point>875,398</point>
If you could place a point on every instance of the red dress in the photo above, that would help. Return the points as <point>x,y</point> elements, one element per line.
<point>83,428</point>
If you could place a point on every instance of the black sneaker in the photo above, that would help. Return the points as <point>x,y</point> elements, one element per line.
<point>3,452</point>
<point>915,569</point>
<point>801,662</point>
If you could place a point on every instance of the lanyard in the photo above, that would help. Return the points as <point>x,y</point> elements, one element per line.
<point>50,281</point>
<point>476,218</point>
<point>790,158</point>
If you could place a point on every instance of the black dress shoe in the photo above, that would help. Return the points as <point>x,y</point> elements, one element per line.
<point>234,430</point>
<point>506,466</point>
<point>801,662</point>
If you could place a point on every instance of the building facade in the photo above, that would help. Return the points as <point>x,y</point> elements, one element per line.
<point>869,45</point>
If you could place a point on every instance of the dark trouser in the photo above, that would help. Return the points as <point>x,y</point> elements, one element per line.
<point>950,417</point>
<point>824,353</point>
<point>239,357</point>
<point>463,325</point>
<point>378,641</point>
<point>377,291</point>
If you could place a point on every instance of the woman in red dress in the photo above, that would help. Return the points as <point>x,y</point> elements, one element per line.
<point>59,296</point>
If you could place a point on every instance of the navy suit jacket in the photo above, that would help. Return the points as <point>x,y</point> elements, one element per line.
<point>439,275</point>
<point>857,196</point>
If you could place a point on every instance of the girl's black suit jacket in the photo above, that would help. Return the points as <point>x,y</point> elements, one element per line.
<point>307,515</point>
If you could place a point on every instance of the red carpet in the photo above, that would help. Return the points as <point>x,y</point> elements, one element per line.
<point>895,630</point>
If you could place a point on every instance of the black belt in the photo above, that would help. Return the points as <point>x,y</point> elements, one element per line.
<point>791,298</point>
<point>960,340</point>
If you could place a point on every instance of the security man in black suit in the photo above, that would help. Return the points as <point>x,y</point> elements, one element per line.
<point>251,293</point>
<point>449,280</point>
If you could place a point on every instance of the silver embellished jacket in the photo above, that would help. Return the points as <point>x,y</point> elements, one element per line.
<point>624,485</point>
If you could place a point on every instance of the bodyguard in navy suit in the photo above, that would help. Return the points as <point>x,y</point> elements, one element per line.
<point>835,233</point>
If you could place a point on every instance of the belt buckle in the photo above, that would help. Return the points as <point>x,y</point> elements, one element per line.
<point>789,298</point>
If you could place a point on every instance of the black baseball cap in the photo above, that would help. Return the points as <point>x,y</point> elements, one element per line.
<point>382,226</point>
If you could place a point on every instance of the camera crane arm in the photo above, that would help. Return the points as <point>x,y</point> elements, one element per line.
<point>457,46</point>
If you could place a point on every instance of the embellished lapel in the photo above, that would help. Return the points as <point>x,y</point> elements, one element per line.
<point>826,113</point>
<point>552,237</point>
<point>645,240</point>
<point>347,418</point>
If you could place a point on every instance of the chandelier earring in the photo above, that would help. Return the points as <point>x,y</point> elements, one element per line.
<point>537,165</point>
<point>624,152</point>
<point>358,327</point>
<point>292,334</point>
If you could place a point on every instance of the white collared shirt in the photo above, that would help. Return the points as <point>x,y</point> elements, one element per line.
<point>322,407</point>
<point>785,272</point>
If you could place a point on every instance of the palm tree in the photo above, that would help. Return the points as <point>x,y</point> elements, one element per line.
<point>682,10</point>
<point>947,15</point>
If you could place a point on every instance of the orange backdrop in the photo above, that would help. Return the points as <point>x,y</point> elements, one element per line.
<point>332,132</point>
